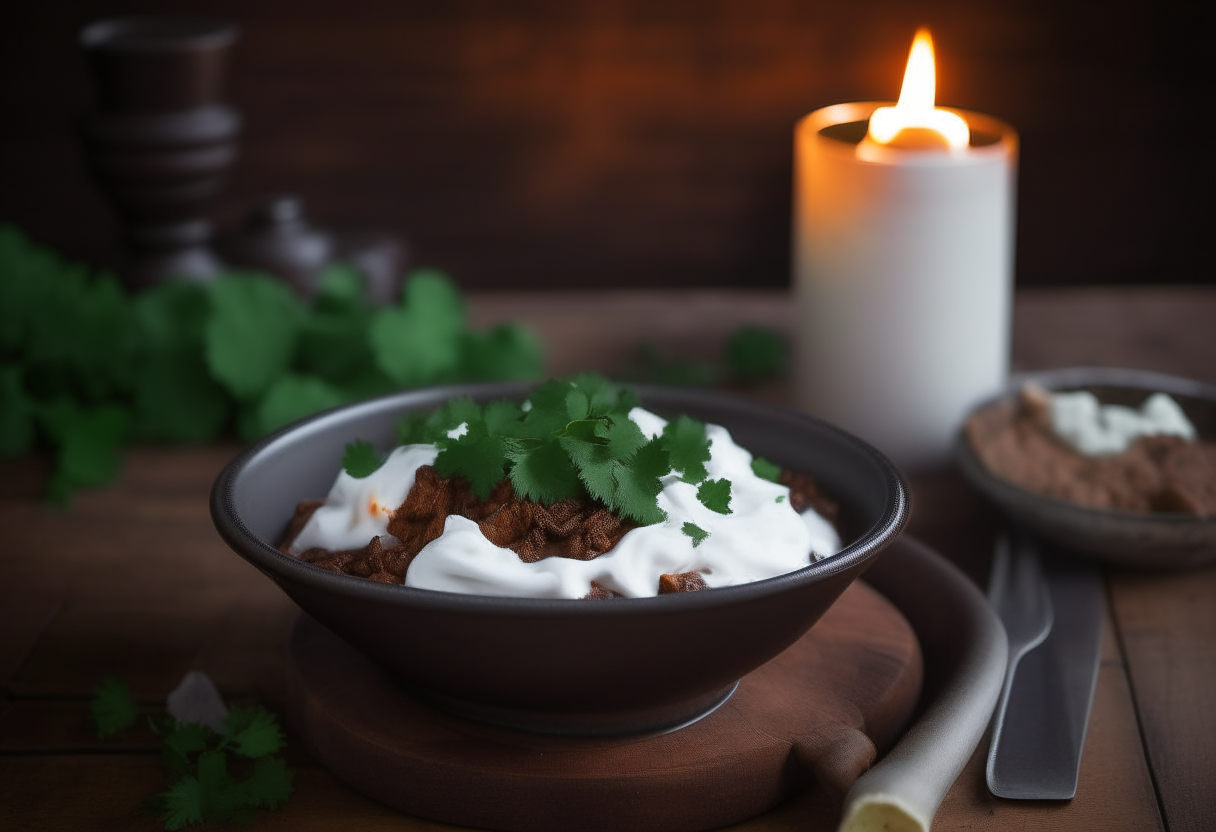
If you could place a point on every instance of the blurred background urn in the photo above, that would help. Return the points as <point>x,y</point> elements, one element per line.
<point>162,141</point>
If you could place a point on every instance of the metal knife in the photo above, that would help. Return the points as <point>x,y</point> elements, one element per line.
<point>1039,728</point>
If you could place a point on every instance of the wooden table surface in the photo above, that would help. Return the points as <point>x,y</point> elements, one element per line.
<point>133,581</point>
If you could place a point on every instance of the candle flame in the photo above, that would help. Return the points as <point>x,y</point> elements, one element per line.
<point>914,121</point>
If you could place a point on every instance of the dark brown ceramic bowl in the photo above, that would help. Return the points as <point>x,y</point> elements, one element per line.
<point>1146,540</point>
<point>563,666</point>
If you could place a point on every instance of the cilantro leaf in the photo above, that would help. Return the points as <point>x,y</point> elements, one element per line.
<point>335,346</point>
<point>639,484</point>
<point>84,340</point>
<point>755,353</point>
<point>270,784</point>
<point>182,804</point>
<point>507,352</point>
<point>254,731</point>
<point>112,708</point>
<point>172,315</point>
<point>697,533</point>
<point>603,396</point>
<point>290,397</point>
<point>595,467</point>
<point>251,332</point>
<point>688,447</point>
<point>181,740</point>
<point>176,400</point>
<point>222,798</point>
<point>578,404</point>
<point>623,435</point>
<point>547,415</point>
<point>88,441</point>
<point>476,456</point>
<point>361,459</point>
<point>432,428</point>
<point>340,290</point>
<point>780,498</point>
<point>544,473</point>
<point>766,470</point>
<point>17,413</point>
<point>651,365</point>
<point>411,429</point>
<point>502,418</point>
<point>715,495</point>
<point>419,342</point>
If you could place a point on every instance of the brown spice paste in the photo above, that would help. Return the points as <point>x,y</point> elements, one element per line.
<point>579,529</point>
<point>1014,440</point>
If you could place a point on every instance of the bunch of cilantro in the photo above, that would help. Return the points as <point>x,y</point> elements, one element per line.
<point>218,776</point>
<point>85,367</point>
<point>572,439</point>
<point>752,355</point>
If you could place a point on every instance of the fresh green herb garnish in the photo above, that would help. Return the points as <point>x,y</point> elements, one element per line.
<point>84,367</point>
<point>573,440</point>
<point>205,789</point>
<point>217,776</point>
<point>697,533</point>
<point>361,459</point>
<point>751,355</point>
<point>112,708</point>
<point>766,470</point>
<point>780,498</point>
<point>755,353</point>
<point>715,495</point>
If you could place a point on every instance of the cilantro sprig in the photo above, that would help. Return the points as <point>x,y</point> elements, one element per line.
<point>572,440</point>
<point>751,355</point>
<point>216,776</point>
<point>112,709</point>
<point>361,459</point>
<point>86,367</point>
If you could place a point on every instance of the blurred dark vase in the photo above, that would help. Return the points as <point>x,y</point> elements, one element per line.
<point>162,142</point>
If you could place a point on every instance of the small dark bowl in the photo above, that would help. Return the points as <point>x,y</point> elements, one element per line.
<point>563,666</point>
<point>1146,540</point>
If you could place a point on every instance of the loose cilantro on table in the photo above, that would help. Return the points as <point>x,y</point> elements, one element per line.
<point>216,776</point>
<point>755,353</point>
<point>751,355</point>
<point>200,758</point>
<point>112,709</point>
<point>85,368</point>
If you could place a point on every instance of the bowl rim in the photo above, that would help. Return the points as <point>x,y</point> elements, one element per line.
<point>1147,381</point>
<point>270,560</point>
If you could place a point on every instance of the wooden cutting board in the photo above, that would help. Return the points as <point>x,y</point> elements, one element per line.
<point>815,713</point>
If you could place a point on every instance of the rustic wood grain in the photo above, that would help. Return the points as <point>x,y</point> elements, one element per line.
<point>840,690</point>
<point>1167,626</point>
<point>141,584</point>
<point>1114,790</point>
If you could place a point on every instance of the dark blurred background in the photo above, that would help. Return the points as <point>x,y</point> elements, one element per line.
<point>643,143</point>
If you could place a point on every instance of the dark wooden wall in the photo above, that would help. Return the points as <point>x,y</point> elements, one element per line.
<point>645,142</point>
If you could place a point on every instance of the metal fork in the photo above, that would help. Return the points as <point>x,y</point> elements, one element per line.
<point>1019,594</point>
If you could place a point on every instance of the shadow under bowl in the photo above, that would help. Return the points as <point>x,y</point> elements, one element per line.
<point>630,665</point>
<point>1145,540</point>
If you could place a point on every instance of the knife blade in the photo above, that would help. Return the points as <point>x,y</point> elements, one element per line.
<point>1039,729</point>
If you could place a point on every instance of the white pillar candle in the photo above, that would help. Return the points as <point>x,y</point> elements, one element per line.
<point>903,260</point>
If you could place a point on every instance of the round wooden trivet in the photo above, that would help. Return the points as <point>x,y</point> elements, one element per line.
<point>816,712</point>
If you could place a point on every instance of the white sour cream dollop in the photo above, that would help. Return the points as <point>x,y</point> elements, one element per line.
<point>762,536</point>
<point>1095,429</point>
